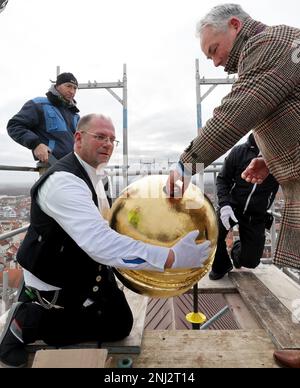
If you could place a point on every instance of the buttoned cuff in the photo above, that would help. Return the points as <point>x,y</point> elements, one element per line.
<point>157,256</point>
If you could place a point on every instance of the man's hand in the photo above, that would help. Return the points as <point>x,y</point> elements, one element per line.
<point>227,214</point>
<point>188,254</point>
<point>176,175</point>
<point>256,172</point>
<point>42,152</point>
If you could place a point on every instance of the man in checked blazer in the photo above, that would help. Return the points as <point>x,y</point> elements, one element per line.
<point>265,99</point>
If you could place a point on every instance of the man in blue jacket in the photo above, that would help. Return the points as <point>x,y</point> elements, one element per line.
<point>245,204</point>
<point>46,125</point>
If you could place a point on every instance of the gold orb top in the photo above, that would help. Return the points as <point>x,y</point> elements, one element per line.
<point>144,212</point>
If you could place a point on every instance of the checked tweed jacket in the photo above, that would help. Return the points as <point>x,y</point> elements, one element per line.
<point>266,99</point>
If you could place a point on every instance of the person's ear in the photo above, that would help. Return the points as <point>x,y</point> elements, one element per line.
<point>235,23</point>
<point>77,138</point>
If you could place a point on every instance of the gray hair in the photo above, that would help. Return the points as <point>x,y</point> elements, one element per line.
<point>218,17</point>
<point>84,122</point>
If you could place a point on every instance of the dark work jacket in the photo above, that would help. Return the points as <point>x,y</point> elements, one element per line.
<point>50,254</point>
<point>244,197</point>
<point>47,120</point>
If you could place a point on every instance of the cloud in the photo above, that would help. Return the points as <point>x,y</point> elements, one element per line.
<point>93,39</point>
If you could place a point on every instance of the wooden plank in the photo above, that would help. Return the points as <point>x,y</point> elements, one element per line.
<point>274,317</point>
<point>224,285</point>
<point>205,349</point>
<point>79,358</point>
<point>132,343</point>
<point>293,274</point>
<point>242,315</point>
<point>282,286</point>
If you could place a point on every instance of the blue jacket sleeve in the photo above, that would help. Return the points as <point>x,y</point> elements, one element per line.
<point>22,126</point>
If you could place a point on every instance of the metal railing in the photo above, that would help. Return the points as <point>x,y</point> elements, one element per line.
<point>18,168</point>
<point>117,172</point>
<point>24,228</point>
<point>13,233</point>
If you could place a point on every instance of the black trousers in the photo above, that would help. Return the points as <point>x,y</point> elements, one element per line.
<point>251,247</point>
<point>103,320</point>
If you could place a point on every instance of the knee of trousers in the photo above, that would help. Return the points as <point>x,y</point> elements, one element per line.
<point>128,323</point>
<point>250,261</point>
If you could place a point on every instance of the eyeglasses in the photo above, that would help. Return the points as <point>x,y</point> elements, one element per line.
<point>103,138</point>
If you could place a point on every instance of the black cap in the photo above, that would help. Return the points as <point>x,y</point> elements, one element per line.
<point>64,78</point>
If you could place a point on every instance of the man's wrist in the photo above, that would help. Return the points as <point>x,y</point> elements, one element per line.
<point>170,259</point>
<point>35,144</point>
<point>183,170</point>
<point>225,205</point>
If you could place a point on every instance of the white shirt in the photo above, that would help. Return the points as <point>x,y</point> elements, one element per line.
<point>67,199</point>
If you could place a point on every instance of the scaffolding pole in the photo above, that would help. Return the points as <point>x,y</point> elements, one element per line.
<point>213,83</point>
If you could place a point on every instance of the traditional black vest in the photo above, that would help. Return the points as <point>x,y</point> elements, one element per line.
<point>50,254</point>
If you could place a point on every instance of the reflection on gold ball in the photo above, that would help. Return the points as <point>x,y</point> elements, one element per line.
<point>144,212</point>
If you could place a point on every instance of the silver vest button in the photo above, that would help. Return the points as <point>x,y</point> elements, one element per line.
<point>98,279</point>
<point>96,289</point>
<point>100,267</point>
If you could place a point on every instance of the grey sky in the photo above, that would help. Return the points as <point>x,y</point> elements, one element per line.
<point>92,39</point>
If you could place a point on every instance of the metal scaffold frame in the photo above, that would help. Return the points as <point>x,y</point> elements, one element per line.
<point>123,101</point>
<point>214,82</point>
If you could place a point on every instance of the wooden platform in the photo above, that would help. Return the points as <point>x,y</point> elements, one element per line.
<point>79,358</point>
<point>204,349</point>
<point>274,317</point>
<point>261,302</point>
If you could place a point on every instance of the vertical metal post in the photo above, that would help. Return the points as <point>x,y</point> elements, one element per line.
<point>215,189</point>
<point>125,128</point>
<point>57,70</point>
<point>5,291</point>
<point>196,326</point>
<point>273,233</point>
<point>198,94</point>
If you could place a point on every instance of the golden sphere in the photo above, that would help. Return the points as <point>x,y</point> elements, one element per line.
<point>144,212</point>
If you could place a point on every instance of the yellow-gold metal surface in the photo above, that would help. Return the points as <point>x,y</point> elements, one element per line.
<point>144,212</point>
